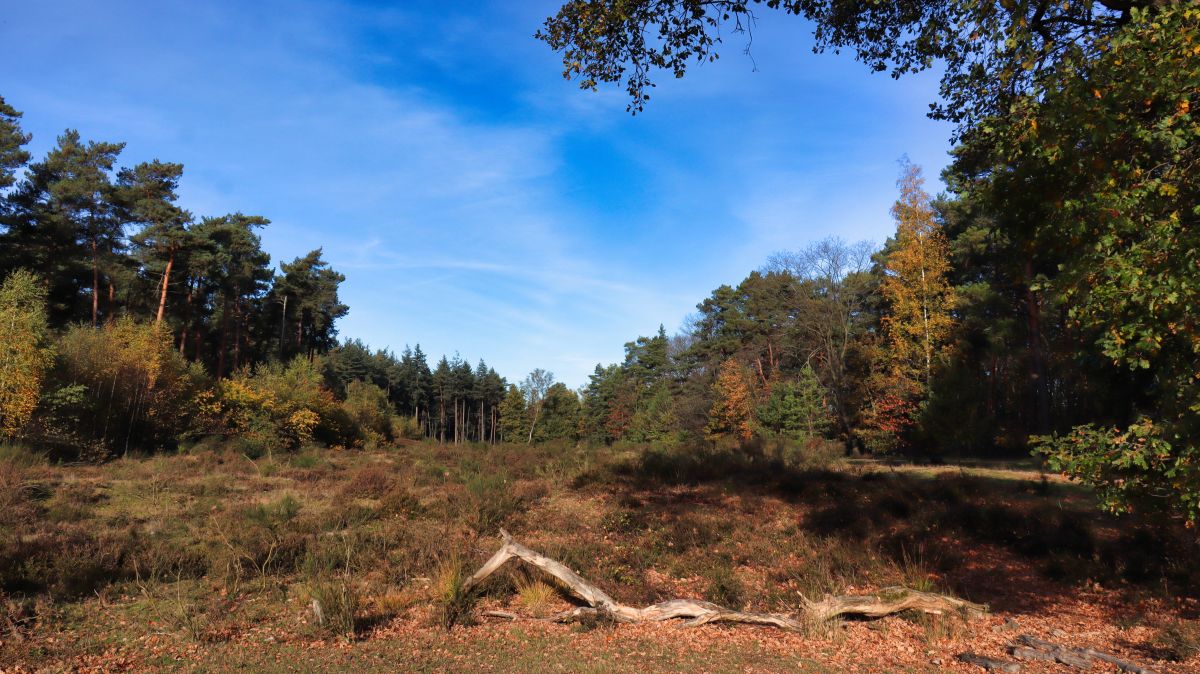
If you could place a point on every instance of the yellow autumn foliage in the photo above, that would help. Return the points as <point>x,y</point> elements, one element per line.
<point>276,406</point>
<point>920,299</point>
<point>138,392</point>
<point>732,412</point>
<point>25,350</point>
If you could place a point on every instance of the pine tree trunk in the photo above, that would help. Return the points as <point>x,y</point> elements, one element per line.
<point>282,325</point>
<point>162,296</point>
<point>95,283</point>
<point>224,338</point>
<point>237,334</point>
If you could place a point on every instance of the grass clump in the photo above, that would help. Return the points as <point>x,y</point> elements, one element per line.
<point>535,596</point>
<point>453,604</point>
<point>335,604</point>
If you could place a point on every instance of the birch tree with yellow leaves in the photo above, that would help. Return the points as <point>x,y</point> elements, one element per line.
<point>920,299</point>
<point>25,349</point>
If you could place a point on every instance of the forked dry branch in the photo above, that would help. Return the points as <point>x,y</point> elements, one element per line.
<point>600,605</point>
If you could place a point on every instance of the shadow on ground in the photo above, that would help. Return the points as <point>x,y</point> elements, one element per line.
<point>1016,544</point>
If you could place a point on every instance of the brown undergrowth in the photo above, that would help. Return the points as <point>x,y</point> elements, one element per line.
<point>150,563</point>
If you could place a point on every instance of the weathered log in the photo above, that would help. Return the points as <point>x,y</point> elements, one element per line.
<point>507,615</point>
<point>1076,657</point>
<point>1027,653</point>
<point>600,604</point>
<point>990,664</point>
<point>888,601</point>
<point>1123,665</point>
<point>1073,657</point>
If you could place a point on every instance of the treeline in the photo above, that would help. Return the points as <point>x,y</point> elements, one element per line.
<point>937,343</point>
<point>836,342</point>
<point>131,323</point>
<point>112,242</point>
<point>1069,239</point>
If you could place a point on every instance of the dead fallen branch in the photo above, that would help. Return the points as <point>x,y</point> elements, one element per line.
<point>1033,648</point>
<point>990,664</point>
<point>600,605</point>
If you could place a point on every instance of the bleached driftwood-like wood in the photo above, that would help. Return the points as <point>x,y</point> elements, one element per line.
<point>599,604</point>
<point>889,601</point>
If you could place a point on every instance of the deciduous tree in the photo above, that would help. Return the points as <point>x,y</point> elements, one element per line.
<point>732,413</point>
<point>26,351</point>
<point>920,300</point>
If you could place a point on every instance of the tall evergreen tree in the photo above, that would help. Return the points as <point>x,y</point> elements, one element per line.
<point>148,191</point>
<point>514,415</point>
<point>306,299</point>
<point>237,273</point>
<point>12,141</point>
<point>67,225</point>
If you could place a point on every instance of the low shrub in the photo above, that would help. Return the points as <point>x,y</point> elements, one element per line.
<point>278,407</point>
<point>265,538</point>
<point>489,501</point>
<point>398,500</point>
<point>368,482</point>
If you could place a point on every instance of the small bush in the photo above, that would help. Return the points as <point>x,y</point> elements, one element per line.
<point>280,407</point>
<point>406,427</point>
<point>368,406</point>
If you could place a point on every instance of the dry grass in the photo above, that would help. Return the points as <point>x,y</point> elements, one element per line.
<point>144,558</point>
<point>536,597</point>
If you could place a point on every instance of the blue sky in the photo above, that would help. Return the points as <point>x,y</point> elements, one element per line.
<point>475,200</point>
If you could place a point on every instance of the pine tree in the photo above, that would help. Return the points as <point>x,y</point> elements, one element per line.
<point>796,409</point>
<point>12,156</point>
<point>514,415</point>
<point>66,223</point>
<point>148,192</point>
<point>236,271</point>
